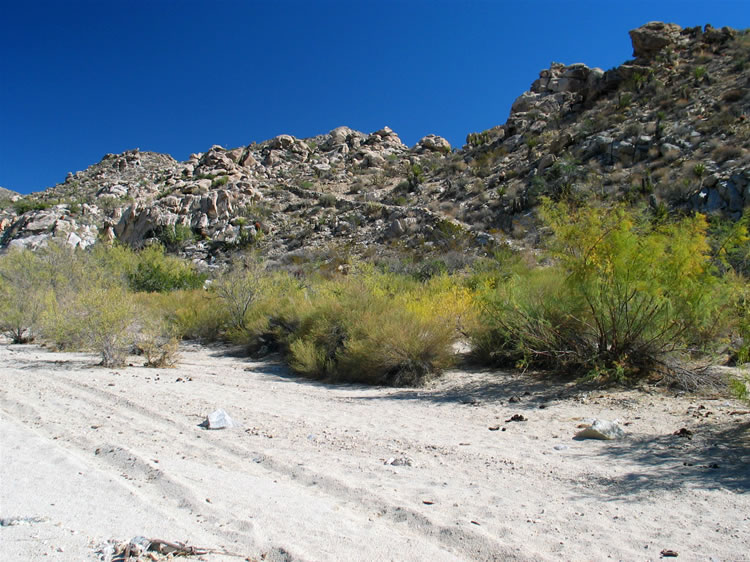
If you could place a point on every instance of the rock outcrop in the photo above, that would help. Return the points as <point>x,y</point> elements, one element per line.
<point>669,129</point>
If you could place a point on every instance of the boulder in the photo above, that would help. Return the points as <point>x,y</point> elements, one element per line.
<point>41,221</point>
<point>651,38</point>
<point>433,143</point>
<point>338,136</point>
<point>373,159</point>
<point>712,35</point>
<point>247,160</point>
<point>273,158</point>
<point>545,162</point>
<point>282,142</point>
<point>525,102</point>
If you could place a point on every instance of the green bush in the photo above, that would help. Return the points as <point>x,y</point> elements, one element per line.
<point>220,182</point>
<point>157,272</point>
<point>25,205</point>
<point>377,328</point>
<point>238,288</point>
<point>622,294</point>
<point>192,314</point>
<point>98,318</point>
<point>327,200</point>
<point>24,283</point>
<point>175,236</point>
<point>158,336</point>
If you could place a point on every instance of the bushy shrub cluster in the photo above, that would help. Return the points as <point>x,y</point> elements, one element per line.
<point>377,328</point>
<point>620,295</point>
<point>77,299</point>
<point>368,327</point>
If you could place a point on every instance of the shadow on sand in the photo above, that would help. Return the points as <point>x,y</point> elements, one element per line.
<point>718,457</point>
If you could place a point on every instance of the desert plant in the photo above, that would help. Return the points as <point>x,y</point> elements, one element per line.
<point>160,348</point>
<point>624,100</point>
<point>239,288</point>
<point>477,139</point>
<point>627,293</point>
<point>24,282</point>
<point>100,318</point>
<point>327,200</point>
<point>377,328</point>
<point>219,182</point>
<point>191,314</point>
<point>157,272</point>
<point>25,204</point>
<point>175,236</point>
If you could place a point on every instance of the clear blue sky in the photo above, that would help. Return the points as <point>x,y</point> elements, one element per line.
<point>79,79</point>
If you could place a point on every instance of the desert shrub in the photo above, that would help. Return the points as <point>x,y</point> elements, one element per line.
<point>477,139</point>
<point>157,334</point>
<point>191,314</point>
<point>327,200</point>
<point>730,243</point>
<point>219,182</point>
<point>24,282</point>
<point>560,182</point>
<point>157,272</point>
<point>377,328</point>
<point>238,288</point>
<point>117,260</point>
<point>526,319</point>
<point>726,152</point>
<point>99,318</point>
<point>739,341</point>
<point>622,294</point>
<point>176,235</point>
<point>24,205</point>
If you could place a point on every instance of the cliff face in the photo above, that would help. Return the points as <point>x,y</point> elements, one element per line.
<point>668,129</point>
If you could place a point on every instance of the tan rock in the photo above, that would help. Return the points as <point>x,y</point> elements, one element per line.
<point>651,38</point>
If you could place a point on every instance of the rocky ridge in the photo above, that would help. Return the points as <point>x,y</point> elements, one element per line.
<point>668,130</point>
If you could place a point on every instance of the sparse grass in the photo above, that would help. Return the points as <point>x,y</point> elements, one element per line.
<point>219,182</point>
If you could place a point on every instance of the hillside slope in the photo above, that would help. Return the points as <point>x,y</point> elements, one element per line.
<point>668,130</point>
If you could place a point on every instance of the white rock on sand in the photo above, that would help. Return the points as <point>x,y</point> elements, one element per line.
<point>91,455</point>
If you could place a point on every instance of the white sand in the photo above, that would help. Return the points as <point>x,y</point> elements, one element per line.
<point>97,454</point>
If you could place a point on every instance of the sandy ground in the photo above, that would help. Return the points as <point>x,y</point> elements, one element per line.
<point>320,472</point>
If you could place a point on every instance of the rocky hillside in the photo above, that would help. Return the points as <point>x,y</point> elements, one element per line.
<point>668,130</point>
<point>7,193</point>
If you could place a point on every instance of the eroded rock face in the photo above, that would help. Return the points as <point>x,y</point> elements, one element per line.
<point>651,38</point>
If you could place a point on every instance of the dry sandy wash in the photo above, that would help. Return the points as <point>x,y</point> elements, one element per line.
<point>320,472</point>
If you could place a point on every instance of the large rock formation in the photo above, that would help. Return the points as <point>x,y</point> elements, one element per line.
<point>669,129</point>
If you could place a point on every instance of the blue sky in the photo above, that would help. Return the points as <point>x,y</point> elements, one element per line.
<point>79,79</point>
